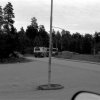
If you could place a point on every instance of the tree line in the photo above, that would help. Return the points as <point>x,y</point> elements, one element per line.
<point>24,41</point>
<point>76,42</point>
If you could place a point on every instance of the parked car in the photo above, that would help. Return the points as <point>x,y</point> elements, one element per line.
<point>54,51</point>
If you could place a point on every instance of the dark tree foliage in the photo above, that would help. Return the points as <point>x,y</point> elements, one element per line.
<point>87,44</point>
<point>7,45</point>
<point>22,41</point>
<point>8,32</point>
<point>96,41</point>
<point>76,43</point>
<point>43,35</point>
<point>97,37</point>
<point>54,39</point>
<point>58,40</point>
<point>38,41</point>
<point>13,38</point>
<point>3,46</point>
<point>31,33</point>
<point>32,30</point>
<point>66,37</point>
<point>1,18</point>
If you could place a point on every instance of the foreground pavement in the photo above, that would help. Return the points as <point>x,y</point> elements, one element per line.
<point>19,81</point>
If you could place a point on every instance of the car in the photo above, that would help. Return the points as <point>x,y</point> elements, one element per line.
<point>54,51</point>
<point>86,95</point>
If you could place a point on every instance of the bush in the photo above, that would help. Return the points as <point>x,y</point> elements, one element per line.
<point>7,45</point>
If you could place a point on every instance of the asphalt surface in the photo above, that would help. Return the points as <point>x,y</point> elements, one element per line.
<point>19,81</point>
<point>72,63</point>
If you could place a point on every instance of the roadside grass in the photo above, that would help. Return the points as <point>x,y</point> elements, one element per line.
<point>15,60</point>
<point>76,56</point>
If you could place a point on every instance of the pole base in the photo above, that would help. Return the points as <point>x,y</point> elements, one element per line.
<point>50,87</point>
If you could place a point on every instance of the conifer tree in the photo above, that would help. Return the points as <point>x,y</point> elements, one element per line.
<point>1,18</point>
<point>8,17</point>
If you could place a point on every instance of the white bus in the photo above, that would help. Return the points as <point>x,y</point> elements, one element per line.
<point>44,51</point>
<point>40,52</point>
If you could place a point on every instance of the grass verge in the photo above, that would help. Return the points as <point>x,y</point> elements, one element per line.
<point>15,60</point>
<point>75,56</point>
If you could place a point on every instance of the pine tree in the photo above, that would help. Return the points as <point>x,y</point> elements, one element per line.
<point>44,36</point>
<point>34,22</point>
<point>1,18</point>
<point>8,17</point>
<point>32,30</point>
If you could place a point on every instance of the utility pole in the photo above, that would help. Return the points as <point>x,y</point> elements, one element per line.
<point>94,46</point>
<point>50,86</point>
<point>61,36</point>
<point>50,45</point>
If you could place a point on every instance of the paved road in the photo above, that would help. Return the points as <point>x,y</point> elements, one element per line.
<point>72,63</point>
<point>19,81</point>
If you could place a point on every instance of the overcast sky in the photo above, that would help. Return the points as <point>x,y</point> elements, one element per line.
<point>74,15</point>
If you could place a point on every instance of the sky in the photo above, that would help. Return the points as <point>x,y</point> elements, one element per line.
<point>73,15</point>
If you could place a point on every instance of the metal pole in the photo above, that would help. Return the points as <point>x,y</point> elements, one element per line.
<point>94,47</point>
<point>61,36</point>
<point>50,45</point>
